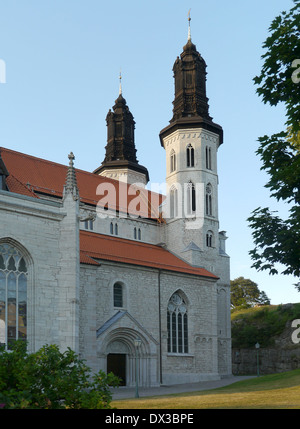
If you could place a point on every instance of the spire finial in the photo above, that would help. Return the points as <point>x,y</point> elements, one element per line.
<point>189,33</point>
<point>71,158</point>
<point>120,84</point>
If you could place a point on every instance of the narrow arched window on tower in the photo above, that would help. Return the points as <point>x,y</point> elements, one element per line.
<point>172,161</point>
<point>209,239</point>
<point>191,198</point>
<point>190,156</point>
<point>208,157</point>
<point>208,200</point>
<point>173,202</point>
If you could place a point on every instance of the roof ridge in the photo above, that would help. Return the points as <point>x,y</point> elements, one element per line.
<point>89,173</point>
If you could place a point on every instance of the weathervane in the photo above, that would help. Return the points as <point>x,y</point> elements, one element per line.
<point>120,85</point>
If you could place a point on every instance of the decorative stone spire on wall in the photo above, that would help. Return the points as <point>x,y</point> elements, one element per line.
<point>71,182</point>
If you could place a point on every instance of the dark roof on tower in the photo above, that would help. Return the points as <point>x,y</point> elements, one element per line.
<point>120,148</point>
<point>190,105</point>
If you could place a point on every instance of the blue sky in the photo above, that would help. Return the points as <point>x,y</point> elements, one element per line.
<point>63,59</point>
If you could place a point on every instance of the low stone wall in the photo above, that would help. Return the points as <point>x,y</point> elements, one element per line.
<point>270,360</point>
<point>283,355</point>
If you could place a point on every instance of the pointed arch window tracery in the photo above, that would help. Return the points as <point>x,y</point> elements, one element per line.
<point>190,157</point>
<point>13,295</point>
<point>177,324</point>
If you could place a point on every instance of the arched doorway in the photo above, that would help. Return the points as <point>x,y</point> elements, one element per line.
<point>120,357</point>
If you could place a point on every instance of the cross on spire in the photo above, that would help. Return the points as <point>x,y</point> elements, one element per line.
<point>189,33</point>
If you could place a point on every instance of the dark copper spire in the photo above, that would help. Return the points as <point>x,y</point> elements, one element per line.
<point>190,105</point>
<point>190,83</point>
<point>120,148</point>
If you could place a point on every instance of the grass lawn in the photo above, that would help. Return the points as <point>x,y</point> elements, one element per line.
<point>269,391</point>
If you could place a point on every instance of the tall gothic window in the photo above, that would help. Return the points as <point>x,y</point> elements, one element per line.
<point>172,161</point>
<point>208,157</point>
<point>191,198</point>
<point>173,202</point>
<point>208,200</point>
<point>13,295</point>
<point>177,323</point>
<point>190,156</point>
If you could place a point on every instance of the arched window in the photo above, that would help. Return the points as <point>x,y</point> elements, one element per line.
<point>208,200</point>
<point>114,229</point>
<point>190,156</point>
<point>208,157</point>
<point>177,324</point>
<point>13,295</point>
<point>209,239</point>
<point>137,233</point>
<point>172,161</point>
<point>191,198</point>
<point>118,295</point>
<point>173,202</point>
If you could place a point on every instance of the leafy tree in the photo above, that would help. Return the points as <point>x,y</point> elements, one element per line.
<point>245,293</point>
<point>49,379</point>
<point>277,240</point>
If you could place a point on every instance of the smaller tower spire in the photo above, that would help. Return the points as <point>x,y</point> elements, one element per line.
<point>189,33</point>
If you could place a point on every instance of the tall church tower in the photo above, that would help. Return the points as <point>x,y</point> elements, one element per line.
<point>191,142</point>
<point>120,159</point>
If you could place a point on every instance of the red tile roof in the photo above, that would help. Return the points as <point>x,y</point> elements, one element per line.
<point>104,247</point>
<point>33,176</point>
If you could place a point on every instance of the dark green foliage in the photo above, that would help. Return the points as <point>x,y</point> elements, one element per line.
<point>275,83</point>
<point>277,241</point>
<point>261,324</point>
<point>244,293</point>
<point>49,379</point>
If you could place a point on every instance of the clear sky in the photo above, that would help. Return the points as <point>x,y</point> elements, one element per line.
<point>63,59</point>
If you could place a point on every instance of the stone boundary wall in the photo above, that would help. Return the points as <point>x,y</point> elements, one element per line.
<point>271,360</point>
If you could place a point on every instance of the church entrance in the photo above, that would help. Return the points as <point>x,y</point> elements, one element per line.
<point>116,363</point>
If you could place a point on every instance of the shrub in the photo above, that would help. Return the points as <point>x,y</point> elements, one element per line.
<point>49,379</point>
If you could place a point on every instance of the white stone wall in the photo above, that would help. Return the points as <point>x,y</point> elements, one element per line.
<point>143,290</point>
<point>67,305</point>
<point>35,226</point>
<point>150,231</point>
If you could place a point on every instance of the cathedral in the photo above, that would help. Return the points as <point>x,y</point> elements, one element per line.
<point>97,262</point>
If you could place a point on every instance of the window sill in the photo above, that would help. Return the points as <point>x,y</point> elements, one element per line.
<point>180,354</point>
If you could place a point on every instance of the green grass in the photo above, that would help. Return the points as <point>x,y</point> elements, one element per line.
<point>275,391</point>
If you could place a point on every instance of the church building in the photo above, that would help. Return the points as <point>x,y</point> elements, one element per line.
<point>97,262</point>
